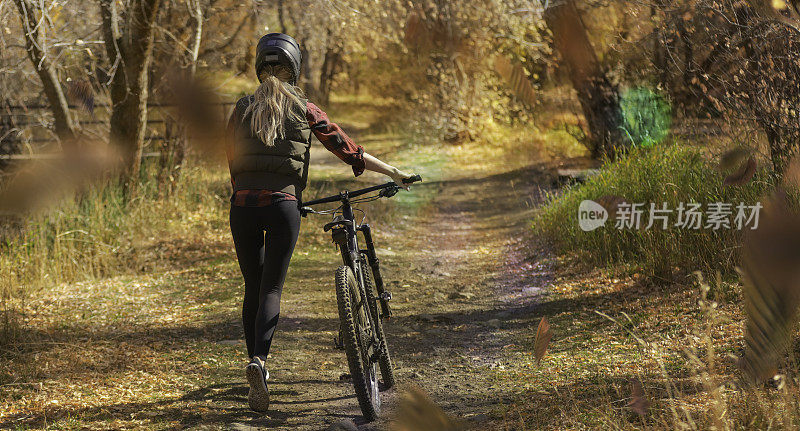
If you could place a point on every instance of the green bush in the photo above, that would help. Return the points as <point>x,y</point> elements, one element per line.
<point>646,116</point>
<point>667,174</point>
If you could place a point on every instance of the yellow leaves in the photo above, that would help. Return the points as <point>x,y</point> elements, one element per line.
<point>482,250</point>
<point>771,9</point>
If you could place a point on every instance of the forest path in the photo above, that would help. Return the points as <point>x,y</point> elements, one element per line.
<point>464,285</point>
<point>164,351</point>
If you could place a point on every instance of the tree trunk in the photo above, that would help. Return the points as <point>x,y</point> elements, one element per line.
<point>64,124</point>
<point>197,17</point>
<point>175,143</point>
<point>330,66</point>
<point>131,52</point>
<point>281,21</point>
<point>9,134</point>
<point>688,53</point>
<point>599,98</point>
<point>173,153</point>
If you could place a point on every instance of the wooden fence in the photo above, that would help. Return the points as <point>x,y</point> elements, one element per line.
<point>25,135</point>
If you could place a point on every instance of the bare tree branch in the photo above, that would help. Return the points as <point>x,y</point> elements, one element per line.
<point>36,48</point>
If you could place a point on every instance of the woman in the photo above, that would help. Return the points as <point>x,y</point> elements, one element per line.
<point>268,149</point>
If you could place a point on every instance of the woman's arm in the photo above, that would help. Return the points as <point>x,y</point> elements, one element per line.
<point>336,141</point>
<point>375,164</point>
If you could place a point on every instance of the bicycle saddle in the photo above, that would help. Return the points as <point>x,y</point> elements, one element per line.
<point>337,221</point>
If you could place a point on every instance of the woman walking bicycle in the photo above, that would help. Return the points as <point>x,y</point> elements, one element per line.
<point>269,136</point>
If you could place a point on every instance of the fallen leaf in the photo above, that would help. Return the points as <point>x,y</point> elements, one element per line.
<point>543,336</point>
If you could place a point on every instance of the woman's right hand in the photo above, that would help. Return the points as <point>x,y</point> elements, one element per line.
<point>398,176</point>
<point>374,164</point>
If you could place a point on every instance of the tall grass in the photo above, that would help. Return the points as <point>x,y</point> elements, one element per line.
<point>99,233</point>
<point>661,174</point>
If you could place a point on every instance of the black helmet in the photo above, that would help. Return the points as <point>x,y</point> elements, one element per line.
<point>279,48</point>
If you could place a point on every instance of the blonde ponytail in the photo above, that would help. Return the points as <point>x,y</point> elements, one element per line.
<point>275,102</point>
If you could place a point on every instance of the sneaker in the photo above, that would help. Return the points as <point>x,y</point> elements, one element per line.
<point>257,376</point>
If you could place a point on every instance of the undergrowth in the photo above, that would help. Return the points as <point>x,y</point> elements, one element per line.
<point>670,174</point>
<point>99,232</point>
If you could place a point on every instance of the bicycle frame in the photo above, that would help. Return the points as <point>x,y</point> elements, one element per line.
<point>344,232</point>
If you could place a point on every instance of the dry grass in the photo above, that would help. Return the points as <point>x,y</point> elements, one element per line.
<point>679,341</point>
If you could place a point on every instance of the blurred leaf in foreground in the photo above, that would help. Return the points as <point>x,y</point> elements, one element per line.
<point>733,159</point>
<point>81,93</point>
<point>417,412</point>
<point>771,270</point>
<point>199,108</point>
<point>638,402</point>
<point>611,203</point>
<point>516,79</point>
<point>45,179</point>
<point>741,175</point>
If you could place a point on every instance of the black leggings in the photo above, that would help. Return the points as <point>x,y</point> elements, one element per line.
<point>264,265</point>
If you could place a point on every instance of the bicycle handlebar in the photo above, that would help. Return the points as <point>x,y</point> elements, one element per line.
<point>412,179</point>
<point>356,193</point>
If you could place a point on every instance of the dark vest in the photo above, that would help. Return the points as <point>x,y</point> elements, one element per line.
<point>281,167</point>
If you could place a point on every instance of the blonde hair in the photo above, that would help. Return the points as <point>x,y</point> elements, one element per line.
<point>275,102</point>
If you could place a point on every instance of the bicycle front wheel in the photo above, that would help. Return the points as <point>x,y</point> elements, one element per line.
<point>356,337</point>
<point>385,360</point>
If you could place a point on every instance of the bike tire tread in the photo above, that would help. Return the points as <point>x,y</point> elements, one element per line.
<point>350,341</point>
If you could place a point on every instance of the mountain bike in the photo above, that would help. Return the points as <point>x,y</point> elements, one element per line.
<point>360,293</point>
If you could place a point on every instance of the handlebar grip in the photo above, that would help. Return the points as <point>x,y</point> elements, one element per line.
<point>413,179</point>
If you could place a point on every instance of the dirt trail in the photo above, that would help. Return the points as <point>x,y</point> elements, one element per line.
<point>464,286</point>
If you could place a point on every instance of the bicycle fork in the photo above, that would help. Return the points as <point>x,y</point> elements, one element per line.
<point>383,295</point>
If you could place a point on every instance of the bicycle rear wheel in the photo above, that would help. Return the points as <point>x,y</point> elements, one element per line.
<point>356,337</point>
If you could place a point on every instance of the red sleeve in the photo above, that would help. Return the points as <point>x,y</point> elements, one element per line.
<point>334,139</point>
